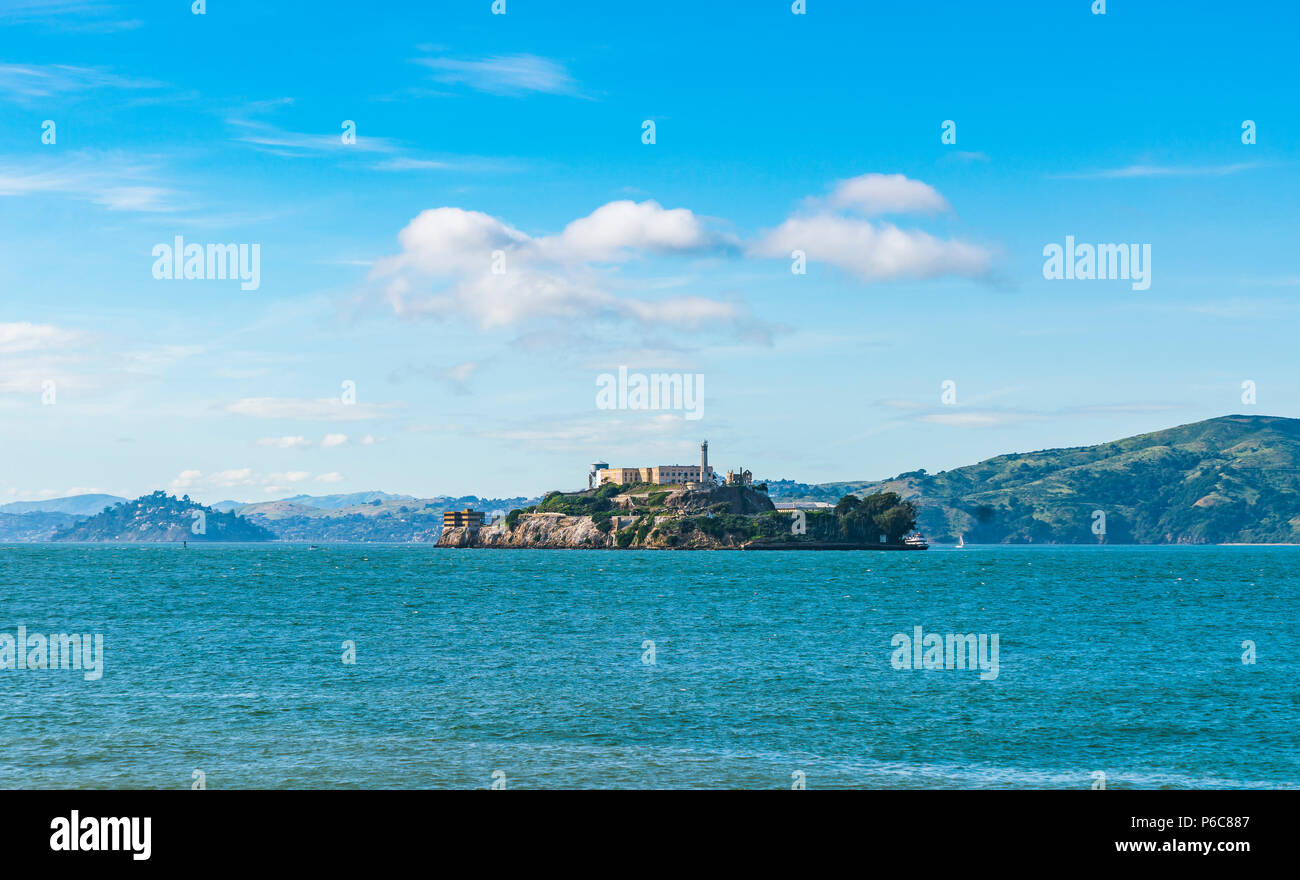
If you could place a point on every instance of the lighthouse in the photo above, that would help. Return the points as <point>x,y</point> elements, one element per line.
<point>704,463</point>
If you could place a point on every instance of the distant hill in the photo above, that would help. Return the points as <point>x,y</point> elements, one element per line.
<point>373,516</point>
<point>80,505</point>
<point>1234,479</point>
<point>377,516</point>
<point>163,517</point>
<point>21,528</point>
<point>334,502</point>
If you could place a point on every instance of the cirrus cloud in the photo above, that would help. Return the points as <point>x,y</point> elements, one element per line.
<point>317,409</point>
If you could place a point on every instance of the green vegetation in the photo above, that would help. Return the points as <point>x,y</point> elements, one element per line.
<point>709,518</point>
<point>580,504</point>
<point>865,520</point>
<point>642,528</point>
<point>1231,479</point>
<point>1224,480</point>
<point>163,517</point>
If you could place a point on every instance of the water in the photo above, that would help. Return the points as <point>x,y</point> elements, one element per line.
<point>227,659</point>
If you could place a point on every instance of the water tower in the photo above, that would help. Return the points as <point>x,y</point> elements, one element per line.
<point>593,475</point>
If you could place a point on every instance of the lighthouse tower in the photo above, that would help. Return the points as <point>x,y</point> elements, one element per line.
<point>704,463</point>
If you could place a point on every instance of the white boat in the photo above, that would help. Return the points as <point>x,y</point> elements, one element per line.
<point>961,542</point>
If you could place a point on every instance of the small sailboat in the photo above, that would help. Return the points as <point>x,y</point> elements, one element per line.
<point>961,542</point>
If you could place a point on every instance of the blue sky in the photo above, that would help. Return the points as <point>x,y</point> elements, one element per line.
<point>523,133</point>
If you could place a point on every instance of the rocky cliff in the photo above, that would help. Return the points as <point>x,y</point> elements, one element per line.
<point>653,518</point>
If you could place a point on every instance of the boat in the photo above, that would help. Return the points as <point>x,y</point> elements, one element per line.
<point>915,541</point>
<point>961,542</point>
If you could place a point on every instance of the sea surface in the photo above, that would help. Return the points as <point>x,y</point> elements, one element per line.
<point>533,668</point>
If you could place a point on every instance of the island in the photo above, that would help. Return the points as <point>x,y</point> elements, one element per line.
<point>653,516</point>
<point>161,517</point>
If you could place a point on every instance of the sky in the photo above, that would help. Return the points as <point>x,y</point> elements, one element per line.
<point>463,220</point>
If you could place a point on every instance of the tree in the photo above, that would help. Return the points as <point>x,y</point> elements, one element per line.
<point>847,504</point>
<point>897,521</point>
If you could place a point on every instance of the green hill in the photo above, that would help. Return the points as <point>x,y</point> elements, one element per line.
<point>1225,480</point>
<point>163,517</point>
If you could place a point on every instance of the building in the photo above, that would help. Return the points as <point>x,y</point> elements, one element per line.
<point>661,474</point>
<point>460,519</point>
<point>741,477</point>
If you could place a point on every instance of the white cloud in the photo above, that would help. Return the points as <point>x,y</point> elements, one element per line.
<point>332,440</point>
<point>67,15</point>
<point>409,164</point>
<point>270,138</point>
<point>193,479</point>
<point>40,81</point>
<point>102,179</point>
<point>977,418</point>
<point>874,252</point>
<point>331,477</point>
<point>461,372</point>
<point>504,74</point>
<point>887,194</point>
<point>579,433</point>
<point>1164,171</point>
<point>614,229</point>
<point>297,442</point>
<point>319,409</point>
<point>237,478</point>
<point>447,241</point>
<point>445,268</point>
<point>24,336</point>
<point>45,359</point>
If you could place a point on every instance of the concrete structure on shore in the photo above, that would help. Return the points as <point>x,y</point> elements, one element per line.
<point>459,519</point>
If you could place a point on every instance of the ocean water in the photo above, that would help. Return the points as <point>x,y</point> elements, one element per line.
<point>768,667</point>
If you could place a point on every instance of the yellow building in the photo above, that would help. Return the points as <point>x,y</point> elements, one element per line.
<point>458,519</point>
<point>660,475</point>
<point>622,476</point>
